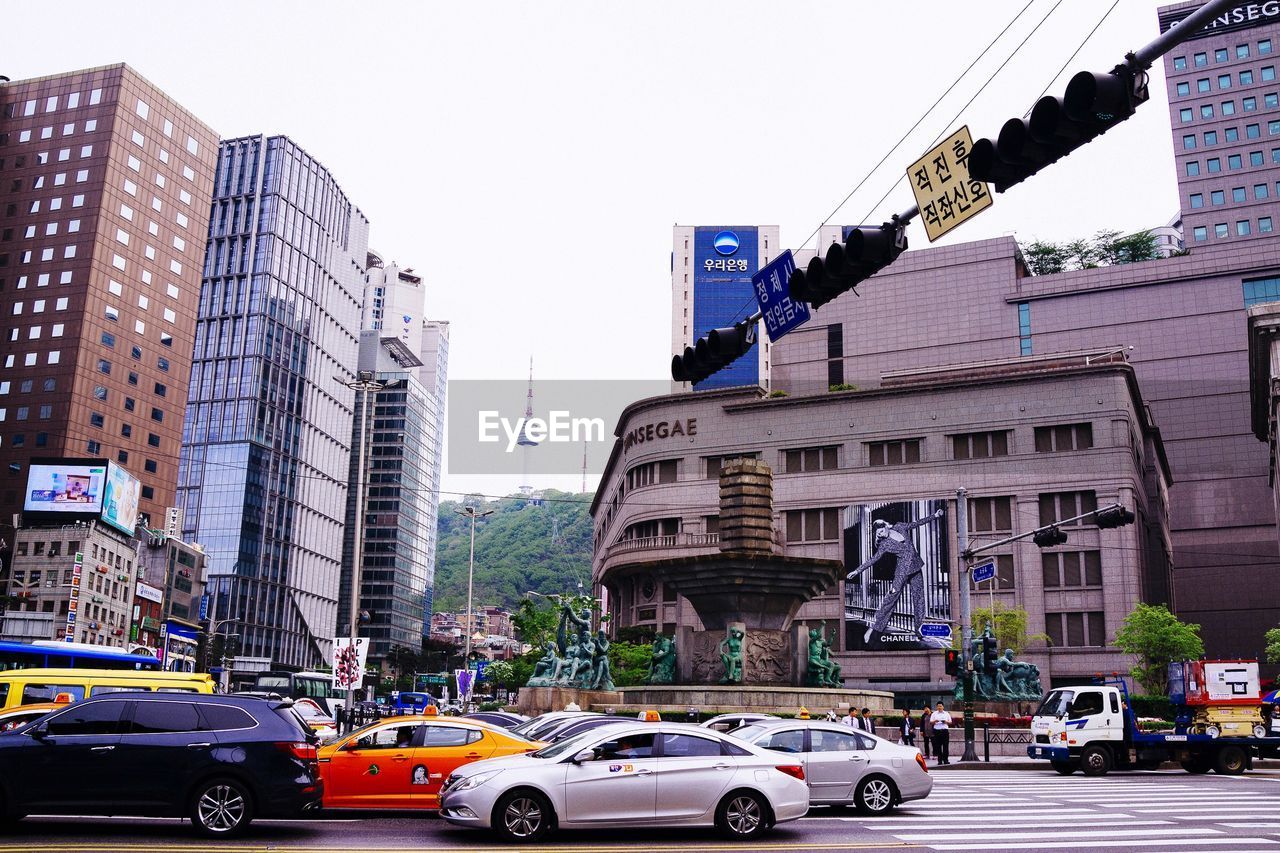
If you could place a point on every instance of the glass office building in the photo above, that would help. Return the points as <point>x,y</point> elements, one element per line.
<point>266,440</point>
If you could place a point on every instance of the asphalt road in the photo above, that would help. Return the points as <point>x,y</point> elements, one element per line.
<point>987,810</point>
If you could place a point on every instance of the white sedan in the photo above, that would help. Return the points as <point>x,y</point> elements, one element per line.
<point>843,766</point>
<point>630,774</point>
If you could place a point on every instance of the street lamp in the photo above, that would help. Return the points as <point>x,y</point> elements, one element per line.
<point>366,384</point>
<point>471,513</point>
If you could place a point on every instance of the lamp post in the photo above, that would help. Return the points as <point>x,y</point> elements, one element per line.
<point>471,513</point>
<point>366,385</point>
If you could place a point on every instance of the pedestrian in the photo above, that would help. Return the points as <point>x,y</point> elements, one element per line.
<point>831,716</point>
<point>907,730</point>
<point>926,728</point>
<point>941,734</point>
<point>866,722</point>
<point>848,719</point>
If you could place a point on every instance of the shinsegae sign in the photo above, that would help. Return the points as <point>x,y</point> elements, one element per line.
<point>658,431</point>
<point>1242,17</point>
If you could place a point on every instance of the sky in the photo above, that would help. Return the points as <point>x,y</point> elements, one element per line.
<point>530,159</point>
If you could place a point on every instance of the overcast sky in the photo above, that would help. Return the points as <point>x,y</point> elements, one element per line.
<point>529,159</point>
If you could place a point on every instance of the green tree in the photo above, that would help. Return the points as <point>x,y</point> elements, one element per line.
<point>501,673</point>
<point>403,663</point>
<point>1044,258</point>
<point>629,662</point>
<point>1010,626</point>
<point>1157,638</point>
<point>1272,639</point>
<point>1105,248</point>
<point>1112,249</point>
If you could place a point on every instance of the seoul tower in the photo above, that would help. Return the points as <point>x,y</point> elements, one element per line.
<point>524,440</point>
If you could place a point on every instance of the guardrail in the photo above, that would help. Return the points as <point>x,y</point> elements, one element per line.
<point>1021,736</point>
<point>653,543</point>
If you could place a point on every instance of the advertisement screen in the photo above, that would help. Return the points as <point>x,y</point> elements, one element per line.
<point>120,499</point>
<point>898,595</point>
<point>65,487</point>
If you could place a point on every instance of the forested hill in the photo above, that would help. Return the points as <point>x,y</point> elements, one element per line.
<point>523,546</point>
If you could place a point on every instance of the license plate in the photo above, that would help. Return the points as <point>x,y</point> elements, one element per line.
<point>1175,737</point>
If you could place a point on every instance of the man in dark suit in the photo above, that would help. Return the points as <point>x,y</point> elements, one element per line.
<point>865,722</point>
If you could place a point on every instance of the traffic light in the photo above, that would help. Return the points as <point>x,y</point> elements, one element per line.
<point>951,661</point>
<point>1092,105</point>
<point>1112,516</point>
<point>1047,537</point>
<point>867,250</point>
<point>364,617</point>
<point>717,349</point>
<point>989,655</point>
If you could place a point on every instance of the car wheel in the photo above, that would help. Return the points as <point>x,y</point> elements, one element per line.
<point>743,815</point>
<point>1066,768</point>
<point>522,816</point>
<point>875,796</point>
<point>1196,765</point>
<point>221,808</point>
<point>1095,760</point>
<point>1230,761</point>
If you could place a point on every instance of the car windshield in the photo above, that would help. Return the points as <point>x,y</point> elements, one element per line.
<point>1056,704</point>
<point>568,746</point>
<point>747,733</point>
<point>310,712</point>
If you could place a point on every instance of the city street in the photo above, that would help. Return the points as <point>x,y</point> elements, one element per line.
<point>968,810</point>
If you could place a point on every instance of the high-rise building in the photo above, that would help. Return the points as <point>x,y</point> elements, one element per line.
<point>399,508</point>
<point>1224,104</point>
<point>434,375</point>
<point>711,269</point>
<point>394,301</point>
<point>266,441</point>
<point>104,188</point>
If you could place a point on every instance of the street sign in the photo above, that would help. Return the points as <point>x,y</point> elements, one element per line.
<point>945,193</point>
<point>984,572</point>
<point>781,314</point>
<point>935,629</point>
<point>204,607</point>
<point>464,681</point>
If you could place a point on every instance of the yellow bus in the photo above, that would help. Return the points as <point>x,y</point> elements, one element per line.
<point>29,686</point>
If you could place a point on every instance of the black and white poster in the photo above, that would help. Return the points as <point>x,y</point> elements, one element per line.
<point>897,592</point>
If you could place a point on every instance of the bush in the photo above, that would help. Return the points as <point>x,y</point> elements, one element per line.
<point>491,706</point>
<point>1152,706</point>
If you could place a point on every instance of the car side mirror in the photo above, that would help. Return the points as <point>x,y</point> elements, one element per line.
<point>584,755</point>
<point>40,732</point>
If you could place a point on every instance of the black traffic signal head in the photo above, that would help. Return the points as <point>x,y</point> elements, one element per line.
<point>717,349</point>
<point>1047,537</point>
<point>1093,103</point>
<point>867,250</point>
<point>1112,516</point>
<point>951,661</point>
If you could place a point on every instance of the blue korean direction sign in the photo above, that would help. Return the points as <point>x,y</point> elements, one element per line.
<point>935,629</point>
<point>781,315</point>
<point>984,572</point>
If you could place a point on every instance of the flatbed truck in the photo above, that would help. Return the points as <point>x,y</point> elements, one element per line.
<point>1093,729</point>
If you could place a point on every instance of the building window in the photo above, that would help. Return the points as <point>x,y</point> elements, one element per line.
<point>1224,81</point>
<point>1193,168</point>
<point>980,445</point>
<point>1072,569</point>
<point>150,467</point>
<point>810,459</point>
<point>1201,60</point>
<point>1246,78</point>
<point>153,439</point>
<point>1220,231</point>
<point>1268,73</point>
<point>1210,137</point>
<point>1024,328</point>
<point>1200,233</point>
<point>1055,506</point>
<point>1228,109</point>
<point>148,493</point>
<point>1189,142</point>
<point>1252,131</point>
<point>93,448</point>
<point>1264,47</point>
<point>715,463</point>
<point>1242,51</point>
<point>1186,115</point>
<point>1259,191</point>
<point>1237,194</point>
<point>902,452</point>
<point>1197,200</point>
<point>95,419</point>
<point>991,515</point>
<point>637,478</point>
<point>1203,85</point>
<point>1249,104</point>
<point>1064,437</point>
<point>1179,63</point>
<point>1206,111</point>
<point>1264,225</point>
<point>1255,158</point>
<point>835,354</point>
<point>1242,228</point>
<point>813,525</point>
<point>104,366</point>
<point>1184,89</point>
<point>1075,629</point>
<point>1215,165</point>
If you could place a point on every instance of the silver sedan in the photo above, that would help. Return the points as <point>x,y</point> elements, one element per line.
<point>843,766</point>
<point>630,774</point>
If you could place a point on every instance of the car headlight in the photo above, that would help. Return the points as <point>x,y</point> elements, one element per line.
<point>474,781</point>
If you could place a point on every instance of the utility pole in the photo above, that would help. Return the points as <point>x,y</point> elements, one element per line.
<point>471,513</point>
<point>966,624</point>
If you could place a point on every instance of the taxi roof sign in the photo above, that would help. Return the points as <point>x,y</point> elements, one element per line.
<point>944,191</point>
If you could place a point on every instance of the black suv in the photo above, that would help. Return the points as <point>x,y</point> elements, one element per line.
<point>219,760</point>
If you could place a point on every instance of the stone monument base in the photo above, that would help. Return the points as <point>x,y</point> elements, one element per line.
<point>761,698</point>
<point>538,700</point>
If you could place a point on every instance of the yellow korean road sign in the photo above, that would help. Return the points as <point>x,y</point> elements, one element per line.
<point>947,196</point>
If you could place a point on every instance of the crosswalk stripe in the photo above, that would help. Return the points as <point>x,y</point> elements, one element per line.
<point>1061,837</point>
<point>1088,823</point>
<point>907,814</point>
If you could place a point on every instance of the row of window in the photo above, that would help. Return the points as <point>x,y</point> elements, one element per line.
<point>1222,54</point>
<point>1231,134</point>
<point>1266,74</point>
<point>1238,195</point>
<point>1222,230</point>
<point>1213,165</point>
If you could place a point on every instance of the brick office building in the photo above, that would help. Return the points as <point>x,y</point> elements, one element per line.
<point>1034,439</point>
<point>104,203</point>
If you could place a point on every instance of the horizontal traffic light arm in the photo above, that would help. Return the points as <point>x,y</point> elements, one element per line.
<point>1112,515</point>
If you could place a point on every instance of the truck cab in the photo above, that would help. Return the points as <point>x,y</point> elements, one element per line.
<point>1081,727</point>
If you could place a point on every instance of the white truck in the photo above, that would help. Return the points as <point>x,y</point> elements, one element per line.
<point>1093,729</point>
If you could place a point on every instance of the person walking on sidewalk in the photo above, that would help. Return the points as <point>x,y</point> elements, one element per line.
<point>926,728</point>
<point>907,730</point>
<point>941,734</point>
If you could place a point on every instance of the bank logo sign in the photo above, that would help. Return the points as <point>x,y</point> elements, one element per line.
<point>726,243</point>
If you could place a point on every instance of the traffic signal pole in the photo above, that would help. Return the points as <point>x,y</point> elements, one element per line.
<point>966,622</point>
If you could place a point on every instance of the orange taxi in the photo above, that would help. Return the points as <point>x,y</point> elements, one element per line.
<point>401,762</point>
<point>19,715</point>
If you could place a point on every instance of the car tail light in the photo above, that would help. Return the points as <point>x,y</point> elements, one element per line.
<point>920,761</point>
<point>299,749</point>
<point>795,770</point>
